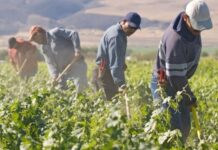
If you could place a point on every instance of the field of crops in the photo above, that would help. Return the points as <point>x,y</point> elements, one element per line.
<point>35,116</point>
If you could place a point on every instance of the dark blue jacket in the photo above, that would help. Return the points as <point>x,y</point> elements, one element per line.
<point>178,54</point>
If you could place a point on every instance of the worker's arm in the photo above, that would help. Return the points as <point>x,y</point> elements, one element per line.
<point>177,71</point>
<point>116,53</point>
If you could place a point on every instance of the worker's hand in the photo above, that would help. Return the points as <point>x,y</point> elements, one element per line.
<point>78,55</point>
<point>17,73</point>
<point>193,103</point>
<point>54,81</point>
<point>122,88</point>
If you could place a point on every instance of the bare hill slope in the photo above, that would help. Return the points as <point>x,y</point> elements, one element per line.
<point>92,17</point>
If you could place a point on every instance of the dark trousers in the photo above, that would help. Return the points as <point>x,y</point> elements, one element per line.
<point>106,82</point>
<point>180,119</point>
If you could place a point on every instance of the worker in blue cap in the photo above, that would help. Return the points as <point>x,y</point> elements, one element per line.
<point>111,54</point>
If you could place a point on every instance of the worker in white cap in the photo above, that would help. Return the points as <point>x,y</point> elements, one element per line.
<point>177,60</point>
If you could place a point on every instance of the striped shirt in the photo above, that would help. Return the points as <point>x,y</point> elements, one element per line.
<point>178,54</point>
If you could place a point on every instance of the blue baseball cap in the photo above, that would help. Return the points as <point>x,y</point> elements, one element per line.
<point>134,19</point>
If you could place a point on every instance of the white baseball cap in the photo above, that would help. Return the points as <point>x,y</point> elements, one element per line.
<point>199,15</point>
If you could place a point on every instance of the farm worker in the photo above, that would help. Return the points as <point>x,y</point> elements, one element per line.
<point>60,47</point>
<point>111,54</point>
<point>23,57</point>
<point>178,57</point>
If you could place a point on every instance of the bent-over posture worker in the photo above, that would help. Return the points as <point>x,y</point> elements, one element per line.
<point>61,47</point>
<point>23,56</point>
<point>177,60</point>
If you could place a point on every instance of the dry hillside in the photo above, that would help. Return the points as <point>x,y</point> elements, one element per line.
<point>92,17</point>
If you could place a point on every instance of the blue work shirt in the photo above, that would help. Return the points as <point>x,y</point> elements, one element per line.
<point>112,48</point>
<point>60,49</point>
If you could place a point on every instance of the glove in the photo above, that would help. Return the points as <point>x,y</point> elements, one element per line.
<point>193,103</point>
<point>190,101</point>
<point>122,88</point>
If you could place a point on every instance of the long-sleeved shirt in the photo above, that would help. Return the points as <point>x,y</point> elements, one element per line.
<point>112,48</point>
<point>24,51</point>
<point>60,49</point>
<point>178,54</point>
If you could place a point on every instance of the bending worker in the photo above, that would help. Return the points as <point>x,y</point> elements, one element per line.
<point>61,49</point>
<point>177,60</point>
<point>23,56</point>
